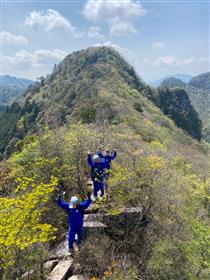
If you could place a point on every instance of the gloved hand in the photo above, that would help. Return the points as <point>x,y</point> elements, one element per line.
<point>89,195</point>
<point>59,191</point>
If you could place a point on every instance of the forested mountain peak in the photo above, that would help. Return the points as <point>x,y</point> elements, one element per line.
<point>173,82</point>
<point>83,83</point>
<point>94,85</point>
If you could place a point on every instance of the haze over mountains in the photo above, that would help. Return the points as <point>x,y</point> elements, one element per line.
<point>183,77</point>
<point>11,88</point>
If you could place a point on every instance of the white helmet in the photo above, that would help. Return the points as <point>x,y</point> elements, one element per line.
<point>74,200</point>
<point>96,157</point>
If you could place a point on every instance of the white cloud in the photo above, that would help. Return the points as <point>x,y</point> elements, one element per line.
<point>122,28</point>
<point>159,45</point>
<point>11,39</point>
<point>50,20</point>
<point>119,15</point>
<point>204,59</point>
<point>171,61</point>
<point>94,32</point>
<point>167,60</point>
<point>189,60</point>
<point>24,58</point>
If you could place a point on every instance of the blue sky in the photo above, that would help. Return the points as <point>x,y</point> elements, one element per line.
<point>157,37</point>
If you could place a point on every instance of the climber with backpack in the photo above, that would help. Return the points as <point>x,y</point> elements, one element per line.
<point>75,210</point>
<point>97,174</point>
<point>107,158</point>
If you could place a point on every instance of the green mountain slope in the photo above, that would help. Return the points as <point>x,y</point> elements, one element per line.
<point>81,83</point>
<point>86,82</point>
<point>176,104</point>
<point>199,96</point>
<point>97,85</point>
<point>93,100</point>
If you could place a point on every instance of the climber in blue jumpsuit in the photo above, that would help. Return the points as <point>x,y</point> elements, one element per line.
<point>75,210</point>
<point>97,174</point>
<point>108,157</point>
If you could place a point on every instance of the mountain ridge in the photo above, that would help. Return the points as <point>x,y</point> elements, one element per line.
<point>8,80</point>
<point>94,100</point>
<point>95,85</point>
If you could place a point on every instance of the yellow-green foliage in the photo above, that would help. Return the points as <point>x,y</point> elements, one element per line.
<point>59,153</point>
<point>164,178</point>
<point>20,224</point>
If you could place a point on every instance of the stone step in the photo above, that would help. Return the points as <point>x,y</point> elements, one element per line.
<point>61,271</point>
<point>77,277</point>
<point>94,224</point>
<point>93,217</point>
<point>49,265</point>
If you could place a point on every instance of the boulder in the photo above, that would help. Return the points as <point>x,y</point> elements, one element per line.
<point>61,271</point>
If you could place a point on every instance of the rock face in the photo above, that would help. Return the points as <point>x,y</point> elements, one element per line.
<point>61,271</point>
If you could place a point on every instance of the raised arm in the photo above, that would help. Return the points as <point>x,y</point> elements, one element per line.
<point>114,154</point>
<point>62,204</point>
<point>90,160</point>
<point>85,204</point>
<point>100,154</point>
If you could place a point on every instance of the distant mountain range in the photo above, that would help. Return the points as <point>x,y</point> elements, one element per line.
<point>11,88</point>
<point>201,81</point>
<point>183,77</point>
<point>198,89</point>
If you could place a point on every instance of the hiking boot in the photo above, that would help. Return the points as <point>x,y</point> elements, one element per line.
<point>70,251</point>
<point>76,248</point>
